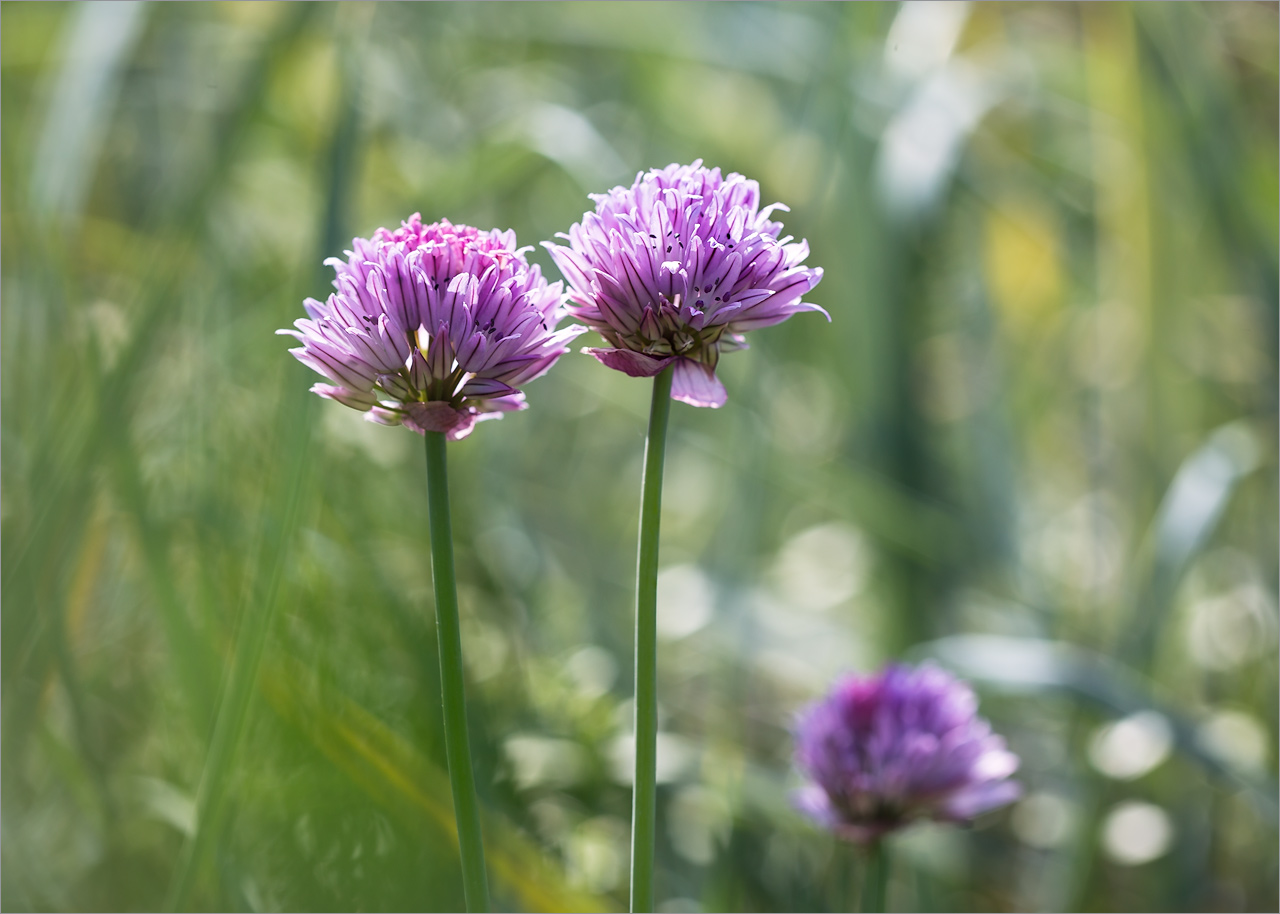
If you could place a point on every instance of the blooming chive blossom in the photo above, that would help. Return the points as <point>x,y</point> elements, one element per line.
<point>433,326</point>
<point>904,744</point>
<point>675,268</point>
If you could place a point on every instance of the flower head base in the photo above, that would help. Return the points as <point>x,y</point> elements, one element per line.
<point>433,326</point>
<point>675,268</point>
<point>905,744</point>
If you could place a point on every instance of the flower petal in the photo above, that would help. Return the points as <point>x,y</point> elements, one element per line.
<point>635,364</point>
<point>976,800</point>
<point>380,416</point>
<point>487,387</point>
<point>697,385</point>
<point>813,801</point>
<point>511,404</point>
<point>356,399</point>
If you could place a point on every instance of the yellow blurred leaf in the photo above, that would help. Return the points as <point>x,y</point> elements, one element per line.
<point>1022,264</point>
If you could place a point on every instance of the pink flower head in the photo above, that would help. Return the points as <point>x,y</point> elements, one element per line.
<point>675,268</point>
<point>883,750</point>
<point>433,326</point>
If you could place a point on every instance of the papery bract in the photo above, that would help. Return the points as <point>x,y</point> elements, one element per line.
<point>882,750</point>
<point>433,326</point>
<point>675,268</point>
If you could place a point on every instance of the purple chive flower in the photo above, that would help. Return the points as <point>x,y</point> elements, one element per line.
<point>675,268</point>
<point>433,326</point>
<point>883,750</point>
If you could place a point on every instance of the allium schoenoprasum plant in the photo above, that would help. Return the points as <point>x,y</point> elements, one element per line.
<point>674,269</point>
<point>884,750</point>
<point>436,327</point>
<point>671,272</point>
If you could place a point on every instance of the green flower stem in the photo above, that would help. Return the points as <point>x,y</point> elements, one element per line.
<point>644,793</point>
<point>875,878</point>
<point>461,778</point>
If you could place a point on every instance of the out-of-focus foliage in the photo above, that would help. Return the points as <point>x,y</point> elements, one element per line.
<point>1037,442</point>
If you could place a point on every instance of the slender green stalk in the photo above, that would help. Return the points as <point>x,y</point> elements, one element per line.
<point>465,808</point>
<point>875,878</point>
<point>295,417</point>
<point>644,794</point>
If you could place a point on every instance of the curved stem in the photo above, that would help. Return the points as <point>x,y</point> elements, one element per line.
<point>875,879</point>
<point>646,721</point>
<point>465,808</point>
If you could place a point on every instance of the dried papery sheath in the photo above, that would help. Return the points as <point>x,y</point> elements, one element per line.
<point>676,268</point>
<point>433,326</point>
<point>880,751</point>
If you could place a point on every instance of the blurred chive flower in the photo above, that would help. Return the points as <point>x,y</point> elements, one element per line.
<point>675,268</point>
<point>883,750</point>
<point>433,326</point>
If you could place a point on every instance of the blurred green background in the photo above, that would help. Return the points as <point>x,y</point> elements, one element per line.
<point>1037,442</point>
